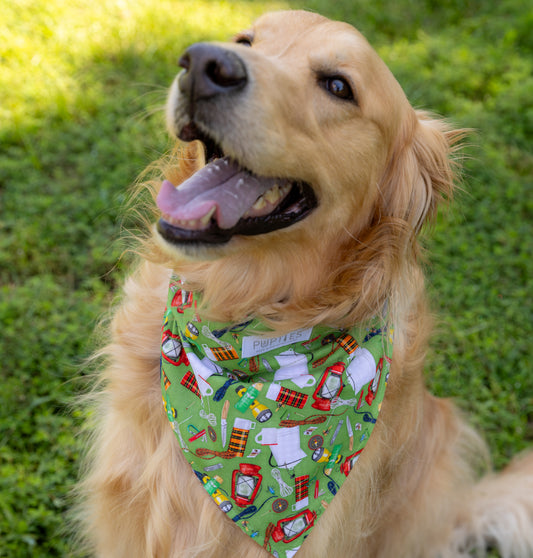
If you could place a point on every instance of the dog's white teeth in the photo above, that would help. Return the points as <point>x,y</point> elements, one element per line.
<point>192,224</point>
<point>204,221</point>
<point>284,190</point>
<point>260,204</point>
<point>273,194</point>
<point>269,200</point>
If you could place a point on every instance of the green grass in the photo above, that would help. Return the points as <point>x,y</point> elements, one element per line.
<point>81,88</point>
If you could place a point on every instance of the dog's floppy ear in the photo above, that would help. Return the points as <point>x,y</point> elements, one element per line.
<point>422,170</point>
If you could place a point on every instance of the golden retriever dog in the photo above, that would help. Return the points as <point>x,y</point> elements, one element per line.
<point>305,177</point>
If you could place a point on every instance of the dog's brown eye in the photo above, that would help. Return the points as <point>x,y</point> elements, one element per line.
<point>245,40</point>
<point>339,87</point>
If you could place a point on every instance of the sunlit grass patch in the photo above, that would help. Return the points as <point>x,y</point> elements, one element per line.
<point>49,49</point>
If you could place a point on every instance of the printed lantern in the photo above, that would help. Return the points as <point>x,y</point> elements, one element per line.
<point>291,528</point>
<point>245,484</point>
<point>182,300</point>
<point>329,387</point>
<point>171,348</point>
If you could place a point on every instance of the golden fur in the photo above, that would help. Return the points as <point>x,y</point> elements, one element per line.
<point>379,170</point>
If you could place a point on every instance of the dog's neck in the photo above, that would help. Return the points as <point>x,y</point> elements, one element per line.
<point>284,294</point>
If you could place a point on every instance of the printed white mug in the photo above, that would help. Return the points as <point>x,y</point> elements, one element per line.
<point>361,370</point>
<point>284,444</point>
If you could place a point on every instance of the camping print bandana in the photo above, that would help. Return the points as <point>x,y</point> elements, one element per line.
<point>270,425</point>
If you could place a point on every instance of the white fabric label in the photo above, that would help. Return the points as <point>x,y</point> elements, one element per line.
<point>257,345</point>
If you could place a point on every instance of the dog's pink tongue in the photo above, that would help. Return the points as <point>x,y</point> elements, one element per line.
<point>222,186</point>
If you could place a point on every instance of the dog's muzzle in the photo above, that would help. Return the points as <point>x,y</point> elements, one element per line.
<point>224,198</point>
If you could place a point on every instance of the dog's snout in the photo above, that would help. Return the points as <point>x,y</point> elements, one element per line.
<point>210,70</point>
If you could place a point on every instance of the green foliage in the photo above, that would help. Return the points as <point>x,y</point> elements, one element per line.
<point>82,86</point>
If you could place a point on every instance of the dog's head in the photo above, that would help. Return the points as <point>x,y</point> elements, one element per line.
<point>309,141</point>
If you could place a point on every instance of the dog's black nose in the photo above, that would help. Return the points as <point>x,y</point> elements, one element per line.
<point>210,70</point>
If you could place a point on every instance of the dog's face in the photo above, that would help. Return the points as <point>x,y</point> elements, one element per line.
<point>299,118</point>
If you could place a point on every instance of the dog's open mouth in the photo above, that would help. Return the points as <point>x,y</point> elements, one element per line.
<point>224,199</point>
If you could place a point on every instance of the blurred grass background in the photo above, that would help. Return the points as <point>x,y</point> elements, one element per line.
<point>81,91</point>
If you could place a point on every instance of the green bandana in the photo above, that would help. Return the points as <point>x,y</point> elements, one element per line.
<point>270,425</point>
